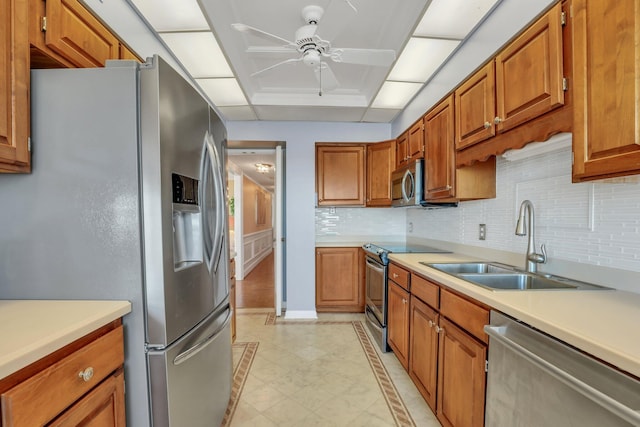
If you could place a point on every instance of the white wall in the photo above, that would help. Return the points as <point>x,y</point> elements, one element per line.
<point>585,225</point>
<point>300,138</point>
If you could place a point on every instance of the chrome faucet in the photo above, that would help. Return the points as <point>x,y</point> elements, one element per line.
<point>533,258</point>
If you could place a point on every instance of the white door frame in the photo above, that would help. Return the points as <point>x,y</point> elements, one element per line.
<point>278,256</point>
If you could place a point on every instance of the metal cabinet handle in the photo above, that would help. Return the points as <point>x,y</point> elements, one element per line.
<point>439,329</point>
<point>487,125</point>
<point>497,120</point>
<point>395,275</point>
<point>404,301</point>
<point>86,375</point>
<point>431,323</point>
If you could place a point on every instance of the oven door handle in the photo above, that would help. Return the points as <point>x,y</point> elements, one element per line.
<point>374,265</point>
<point>373,320</point>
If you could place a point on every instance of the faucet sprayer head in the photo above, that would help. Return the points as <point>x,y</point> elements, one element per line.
<point>521,225</point>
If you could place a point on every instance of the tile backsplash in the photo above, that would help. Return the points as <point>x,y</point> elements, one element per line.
<point>594,223</point>
<point>352,222</point>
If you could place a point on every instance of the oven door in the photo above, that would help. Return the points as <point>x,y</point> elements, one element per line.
<point>376,289</point>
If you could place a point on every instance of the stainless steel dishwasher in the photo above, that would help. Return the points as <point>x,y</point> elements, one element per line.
<point>535,380</point>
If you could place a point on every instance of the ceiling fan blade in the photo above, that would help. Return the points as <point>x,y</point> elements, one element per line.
<point>375,57</point>
<point>276,65</point>
<point>243,28</point>
<point>271,50</point>
<point>325,77</point>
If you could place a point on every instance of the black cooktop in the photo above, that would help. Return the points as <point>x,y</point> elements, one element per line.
<point>382,250</point>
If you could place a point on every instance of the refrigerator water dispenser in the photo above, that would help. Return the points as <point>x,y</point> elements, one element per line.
<point>187,240</point>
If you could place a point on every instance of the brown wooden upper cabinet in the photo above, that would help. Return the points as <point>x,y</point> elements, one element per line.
<point>340,174</point>
<point>380,163</point>
<point>523,82</point>
<point>14,87</point>
<point>606,58</point>
<point>443,181</point>
<point>410,145</point>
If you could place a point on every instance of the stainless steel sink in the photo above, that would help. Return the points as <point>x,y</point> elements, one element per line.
<point>496,276</point>
<point>471,267</point>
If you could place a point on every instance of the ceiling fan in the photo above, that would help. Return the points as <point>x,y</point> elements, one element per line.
<point>314,51</point>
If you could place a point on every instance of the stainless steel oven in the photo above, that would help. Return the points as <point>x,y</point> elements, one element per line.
<point>376,274</point>
<point>376,300</point>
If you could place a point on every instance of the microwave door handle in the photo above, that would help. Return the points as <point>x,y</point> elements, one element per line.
<point>407,175</point>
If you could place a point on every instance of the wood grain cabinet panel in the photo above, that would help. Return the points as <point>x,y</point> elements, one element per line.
<point>14,86</point>
<point>416,141</point>
<point>339,285</point>
<point>461,378</point>
<point>402,150</point>
<point>95,368</point>
<point>423,349</point>
<point>398,322</point>
<point>529,73</point>
<point>380,163</point>
<point>73,32</point>
<point>440,167</point>
<point>606,58</point>
<point>475,107</point>
<point>340,175</point>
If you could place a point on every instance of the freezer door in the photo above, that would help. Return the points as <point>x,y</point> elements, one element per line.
<point>190,381</point>
<point>183,206</point>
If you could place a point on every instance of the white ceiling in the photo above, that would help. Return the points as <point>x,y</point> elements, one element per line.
<point>291,91</point>
<point>246,159</point>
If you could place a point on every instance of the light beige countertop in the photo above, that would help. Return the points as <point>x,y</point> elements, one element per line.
<point>33,329</point>
<point>603,323</point>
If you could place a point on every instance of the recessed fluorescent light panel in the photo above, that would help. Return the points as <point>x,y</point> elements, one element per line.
<point>452,19</point>
<point>421,58</point>
<point>171,15</point>
<point>199,53</point>
<point>223,92</point>
<point>395,94</point>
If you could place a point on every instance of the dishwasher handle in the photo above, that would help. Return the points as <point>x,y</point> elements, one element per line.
<point>499,334</point>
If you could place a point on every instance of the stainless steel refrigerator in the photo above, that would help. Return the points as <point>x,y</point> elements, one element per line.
<point>127,201</point>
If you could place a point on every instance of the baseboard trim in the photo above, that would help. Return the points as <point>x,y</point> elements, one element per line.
<point>300,314</point>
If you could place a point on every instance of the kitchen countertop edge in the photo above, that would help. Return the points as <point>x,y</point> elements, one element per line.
<point>40,327</point>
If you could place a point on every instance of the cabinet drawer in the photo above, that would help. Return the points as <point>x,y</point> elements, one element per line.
<point>465,313</point>
<point>399,275</point>
<point>42,397</point>
<point>425,290</point>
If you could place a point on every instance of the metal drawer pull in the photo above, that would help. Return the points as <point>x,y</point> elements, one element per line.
<point>86,375</point>
<point>395,275</point>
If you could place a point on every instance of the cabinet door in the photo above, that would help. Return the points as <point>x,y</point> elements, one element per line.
<point>402,150</point>
<point>73,32</point>
<point>14,84</point>
<point>380,163</point>
<point>423,350</point>
<point>440,155</point>
<point>340,175</point>
<point>606,58</point>
<point>398,323</point>
<point>475,107</point>
<point>126,53</point>
<point>461,378</point>
<point>416,141</point>
<point>338,284</point>
<point>529,73</point>
<point>103,406</point>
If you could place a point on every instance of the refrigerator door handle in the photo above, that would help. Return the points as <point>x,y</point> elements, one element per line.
<point>213,239</point>
<point>201,345</point>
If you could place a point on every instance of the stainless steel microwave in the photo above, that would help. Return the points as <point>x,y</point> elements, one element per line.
<point>407,185</point>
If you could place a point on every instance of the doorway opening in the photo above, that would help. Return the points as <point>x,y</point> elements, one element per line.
<point>256,222</point>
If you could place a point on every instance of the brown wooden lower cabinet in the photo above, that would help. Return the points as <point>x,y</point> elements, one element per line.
<point>339,284</point>
<point>423,347</point>
<point>80,384</point>
<point>398,322</point>
<point>461,377</point>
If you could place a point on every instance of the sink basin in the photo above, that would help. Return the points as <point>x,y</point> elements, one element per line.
<point>471,267</point>
<point>496,276</point>
<point>516,281</point>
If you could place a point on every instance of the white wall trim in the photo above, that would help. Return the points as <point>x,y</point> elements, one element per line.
<point>300,314</point>
<point>255,247</point>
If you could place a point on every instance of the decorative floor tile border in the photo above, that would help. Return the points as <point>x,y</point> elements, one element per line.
<point>240,375</point>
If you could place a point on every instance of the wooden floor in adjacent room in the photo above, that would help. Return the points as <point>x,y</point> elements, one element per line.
<point>256,290</point>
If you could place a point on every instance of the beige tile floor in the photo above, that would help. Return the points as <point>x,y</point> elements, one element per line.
<point>318,375</point>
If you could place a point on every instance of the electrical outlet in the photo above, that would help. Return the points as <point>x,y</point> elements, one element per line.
<point>482,232</point>
<point>410,227</point>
